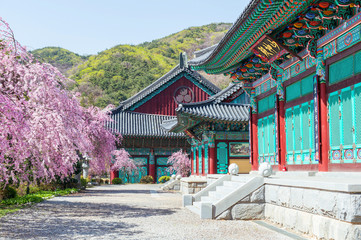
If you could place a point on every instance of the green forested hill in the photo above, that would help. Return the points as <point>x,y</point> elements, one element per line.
<point>61,58</point>
<point>118,73</point>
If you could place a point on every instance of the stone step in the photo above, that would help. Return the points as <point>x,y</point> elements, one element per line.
<point>209,199</point>
<point>217,195</point>
<point>194,209</point>
<point>232,184</point>
<point>242,179</point>
<point>224,189</point>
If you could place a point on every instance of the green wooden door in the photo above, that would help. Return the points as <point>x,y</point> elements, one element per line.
<point>345,125</point>
<point>267,139</point>
<point>222,158</point>
<point>136,175</point>
<point>300,134</point>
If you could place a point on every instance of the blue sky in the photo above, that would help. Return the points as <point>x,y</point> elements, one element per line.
<point>90,26</point>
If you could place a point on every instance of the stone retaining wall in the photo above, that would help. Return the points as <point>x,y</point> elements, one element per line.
<point>319,213</point>
<point>192,185</point>
<point>337,205</point>
<point>249,208</point>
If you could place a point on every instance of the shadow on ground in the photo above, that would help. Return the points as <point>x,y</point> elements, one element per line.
<point>61,219</point>
<point>91,192</point>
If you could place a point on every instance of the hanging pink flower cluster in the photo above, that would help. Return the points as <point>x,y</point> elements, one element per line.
<point>42,125</point>
<point>123,162</point>
<point>180,163</point>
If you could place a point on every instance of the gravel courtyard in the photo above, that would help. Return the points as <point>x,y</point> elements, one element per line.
<point>123,212</point>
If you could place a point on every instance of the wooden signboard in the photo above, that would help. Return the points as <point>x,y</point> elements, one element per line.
<point>269,49</point>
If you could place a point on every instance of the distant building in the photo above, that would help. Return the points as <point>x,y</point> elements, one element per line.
<point>138,119</point>
<point>218,129</point>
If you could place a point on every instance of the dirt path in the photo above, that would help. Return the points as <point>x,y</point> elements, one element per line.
<point>123,212</point>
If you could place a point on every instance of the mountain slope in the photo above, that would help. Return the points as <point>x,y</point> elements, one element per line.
<point>60,58</point>
<point>118,73</point>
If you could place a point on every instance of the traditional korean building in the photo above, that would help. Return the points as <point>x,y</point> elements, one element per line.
<point>300,61</point>
<point>217,129</point>
<point>138,119</point>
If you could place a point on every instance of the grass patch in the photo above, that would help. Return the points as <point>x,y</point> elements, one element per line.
<point>17,203</point>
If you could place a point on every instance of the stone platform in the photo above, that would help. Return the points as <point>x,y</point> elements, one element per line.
<point>321,205</point>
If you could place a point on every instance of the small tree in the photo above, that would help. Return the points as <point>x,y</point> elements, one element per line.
<point>123,162</point>
<point>180,163</point>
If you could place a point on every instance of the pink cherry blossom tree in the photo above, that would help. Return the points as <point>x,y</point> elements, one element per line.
<point>42,125</point>
<point>123,162</point>
<point>180,163</point>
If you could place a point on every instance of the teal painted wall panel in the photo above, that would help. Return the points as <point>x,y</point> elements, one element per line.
<point>222,158</point>
<point>300,88</point>
<point>266,103</point>
<point>357,62</point>
<point>206,158</point>
<point>293,91</point>
<point>307,85</point>
<point>194,159</point>
<point>341,70</point>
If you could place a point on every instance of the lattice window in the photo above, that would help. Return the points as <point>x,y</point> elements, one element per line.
<point>341,70</point>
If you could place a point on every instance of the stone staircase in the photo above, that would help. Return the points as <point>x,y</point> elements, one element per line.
<point>221,195</point>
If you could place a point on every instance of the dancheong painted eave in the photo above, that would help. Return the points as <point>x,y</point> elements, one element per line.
<point>260,17</point>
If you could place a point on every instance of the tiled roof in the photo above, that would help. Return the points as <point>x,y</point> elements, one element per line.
<point>217,111</point>
<point>163,80</point>
<point>140,124</point>
<point>225,93</point>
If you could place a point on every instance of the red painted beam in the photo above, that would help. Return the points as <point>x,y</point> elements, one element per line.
<point>212,160</point>
<point>192,163</point>
<point>324,138</point>
<point>281,136</point>
<point>197,161</point>
<point>254,142</point>
<point>203,163</point>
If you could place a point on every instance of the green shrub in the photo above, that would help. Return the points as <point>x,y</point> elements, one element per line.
<point>147,179</point>
<point>8,193</point>
<point>117,181</point>
<point>83,182</point>
<point>164,179</point>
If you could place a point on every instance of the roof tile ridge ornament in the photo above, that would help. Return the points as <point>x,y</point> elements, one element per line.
<point>183,60</point>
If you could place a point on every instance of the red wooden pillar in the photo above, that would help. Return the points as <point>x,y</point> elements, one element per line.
<point>324,141</point>
<point>197,161</point>
<point>212,160</point>
<point>282,136</point>
<point>113,174</point>
<point>203,162</point>
<point>254,141</point>
<point>192,161</point>
<point>152,165</point>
